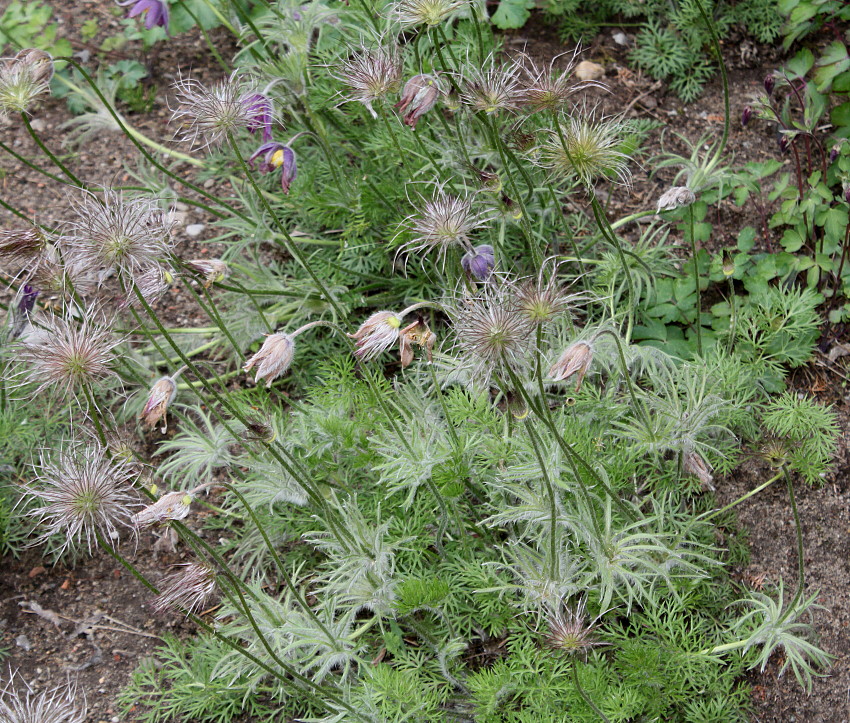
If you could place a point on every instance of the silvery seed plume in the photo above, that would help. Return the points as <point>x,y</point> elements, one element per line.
<point>410,13</point>
<point>62,704</point>
<point>371,74</point>
<point>64,355</point>
<point>493,86</point>
<point>586,149</point>
<point>569,631</point>
<point>66,275</point>
<point>22,246</point>
<point>85,494</point>
<point>443,222</point>
<point>23,79</point>
<point>548,89</point>
<point>128,235</point>
<point>492,336</point>
<point>207,115</point>
<point>187,588</point>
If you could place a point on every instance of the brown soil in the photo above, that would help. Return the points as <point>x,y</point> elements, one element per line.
<point>106,625</point>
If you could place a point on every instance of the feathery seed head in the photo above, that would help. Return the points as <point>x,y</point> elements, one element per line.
<point>479,262</point>
<point>161,396</point>
<point>23,79</point>
<point>213,270</point>
<point>124,234</point>
<point>85,494</point>
<point>411,13</point>
<point>207,116</point>
<point>188,588</point>
<point>541,298</point>
<point>372,74</point>
<point>492,87</point>
<point>377,334</point>
<point>588,150</point>
<point>443,222</point>
<point>64,275</point>
<point>576,360</point>
<point>491,335</point>
<point>676,197</point>
<point>67,355</point>
<point>273,358</point>
<point>547,89</point>
<point>62,704</point>
<point>22,246</point>
<point>569,631</point>
<point>420,94</point>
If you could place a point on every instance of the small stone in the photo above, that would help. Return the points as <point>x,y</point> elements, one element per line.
<point>22,641</point>
<point>180,206</point>
<point>195,229</point>
<point>587,70</point>
<point>209,183</point>
<point>37,571</point>
<point>621,38</point>
<point>38,125</point>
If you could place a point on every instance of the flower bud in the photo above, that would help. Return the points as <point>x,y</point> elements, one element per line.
<point>161,395</point>
<point>746,115</point>
<point>479,262</point>
<point>727,265</point>
<point>576,359</point>
<point>784,143</point>
<point>833,154</point>
<point>676,197</point>
<point>694,464</point>
<point>171,506</point>
<point>420,94</point>
<point>273,358</point>
<point>213,270</point>
<point>377,334</point>
<point>769,84</point>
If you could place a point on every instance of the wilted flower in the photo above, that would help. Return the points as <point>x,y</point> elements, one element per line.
<point>67,354</point>
<point>161,395</point>
<point>377,334</point>
<point>171,506</point>
<point>260,112</point>
<point>189,588</point>
<point>576,359</point>
<point>273,358</point>
<point>213,270</point>
<point>443,222</point>
<point>479,262</point>
<point>276,155</point>
<point>62,704</point>
<point>675,197</point>
<point>156,12</point>
<point>420,94</point>
<point>569,631</point>
<point>419,334</point>
<point>694,464</point>
<point>746,115</point>
<point>372,75</point>
<point>85,495</point>
<point>587,149</point>
<point>410,13</point>
<point>124,234</point>
<point>492,87</point>
<point>208,116</point>
<point>23,79</point>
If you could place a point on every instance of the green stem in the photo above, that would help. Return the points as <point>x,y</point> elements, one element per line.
<point>696,277</point>
<point>707,516</point>
<point>584,695</point>
<point>56,162</point>
<point>554,571</point>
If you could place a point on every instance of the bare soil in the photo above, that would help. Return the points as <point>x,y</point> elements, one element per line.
<point>104,624</point>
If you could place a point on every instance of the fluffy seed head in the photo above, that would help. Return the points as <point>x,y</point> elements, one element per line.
<point>84,494</point>
<point>372,74</point>
<point>207,115</point>
<point>444,222</point>
<point>161,395</point>
<point>411,13</point>
<point>576,360</point>
<point>547,89</point>
<point>23,79</point>
<point>377,334</point>
<point>188,588</point>
<point>66,355</point>
<point>542,298</point>
<point>587,151</point>
<point>676,197</point>
<point>62,704</point>
<point>569,631</point>
<point>492,87</point>
<point>22,246</point>
<point>273,358</point>
<point>124,234</point>
<point>66,275</point>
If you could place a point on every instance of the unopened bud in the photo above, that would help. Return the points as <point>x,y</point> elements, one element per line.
<point>576,360</point>
<point>746,115</point>
<point>676,197</point>
<point>727,264</point>
<point>833,154</point>
<point>769,84</point>
<point>161,395</point>
<point>479,262</point>
<point>784,143</point>
<point>420,94</point>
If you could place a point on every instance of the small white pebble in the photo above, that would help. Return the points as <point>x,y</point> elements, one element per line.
<point>195,229</point>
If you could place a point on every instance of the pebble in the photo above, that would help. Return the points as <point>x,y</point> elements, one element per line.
<point>195,229</point>
<point>621,38</point>
<point>38,125</point>
<point>22,641</point>
<point>180,206</point>
<point>209,183</point>
<point>176,217</point>
<point>586,70</point>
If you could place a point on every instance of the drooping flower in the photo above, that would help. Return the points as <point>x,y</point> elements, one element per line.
<point>420,94</point>
<point>273,358</point>
<point>479,262</point>
<point>416,334</point>
<point>696,465</point>
<point>276,155</point>
<point>576,360</point>
<point>22,310</point>
<point>213,270</point>
<point>155,11</point>
<point>23,79</point>
<point>676,197</point>
<point>377,334</point>
<point>371,75</point>
<point>171,506</point>
<point>260,111</point>
<point>161,396</point>
<point>188,588</point>
<point>85,494</point>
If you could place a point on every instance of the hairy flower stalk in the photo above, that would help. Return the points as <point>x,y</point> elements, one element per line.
<point>371,75</point>
<point>188,588</point>
<point>23,80</point>
<point>84,494</point>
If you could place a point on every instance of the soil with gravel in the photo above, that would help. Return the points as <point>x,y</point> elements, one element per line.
<point>93,623</point>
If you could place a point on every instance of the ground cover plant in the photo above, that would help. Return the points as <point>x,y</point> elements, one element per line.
<point>464,442</point>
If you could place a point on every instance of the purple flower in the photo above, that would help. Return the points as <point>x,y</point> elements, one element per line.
<point>260,111</point>
<point>746,115</point>
<point>157,12</point>
<point>276,155</point>
<point>479,262</point>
